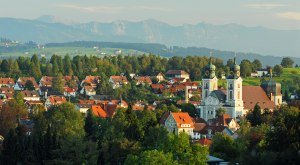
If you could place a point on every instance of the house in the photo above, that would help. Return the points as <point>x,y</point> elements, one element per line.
<point>143,80</point>
<point>47,81</point>
<point>177,74</point>
<point>21,83</point>
<point>6,93</point>
<point>90,81</point>
<point>225,120</point>
<point>118,81</point>
<point>69,92</point>
<point>99,111</point>
<point>7,82</point>
<point>159,77</point>
<point>262,72</point>
<point>54,101</point>
<point>178,122</point>
<point>31,95</point>
<point>83,108</point>
<point>210,130</point>
<point>32,104</point>
<point>88,90</point>
<point>205,142</point>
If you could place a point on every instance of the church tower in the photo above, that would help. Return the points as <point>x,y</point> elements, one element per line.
<point>273,90</point>
<point>234,98</point>
<point>210,80</point>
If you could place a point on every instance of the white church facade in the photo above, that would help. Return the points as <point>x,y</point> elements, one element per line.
<point>236,101</point>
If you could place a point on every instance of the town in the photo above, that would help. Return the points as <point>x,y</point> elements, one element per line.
<point>122,109</point>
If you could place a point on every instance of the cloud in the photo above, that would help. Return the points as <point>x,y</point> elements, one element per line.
<point>266,6</point>
<point>93,9</point>
<point>289,15</point>
<point>153,8</point>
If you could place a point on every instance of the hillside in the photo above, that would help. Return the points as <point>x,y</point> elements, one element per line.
<point>224,37</point>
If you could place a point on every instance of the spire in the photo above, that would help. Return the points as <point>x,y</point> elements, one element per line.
<point>271,73</point>
<point>234,60</point>
<point>210,57</point>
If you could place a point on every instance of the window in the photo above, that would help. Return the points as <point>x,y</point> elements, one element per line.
<point>206,94</point>
<point>230,86</point>
<point>230,95</point>
<point>239,85</point>
<point>239,95</point>
<point>206,85</point>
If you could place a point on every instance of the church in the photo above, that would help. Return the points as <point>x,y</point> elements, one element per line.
<point>236,99</point>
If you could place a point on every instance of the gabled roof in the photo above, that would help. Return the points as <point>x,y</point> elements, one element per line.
<point>92,79</point>
<point>22,81</point>
<point>6,90</point>
<point>255,94</point>
<point>143,79</point>
<point>182,118</point>
<point>205,142</point>
<point>7,81</point>
<point>98,111</point>
<point>179,72</point>
<point>28,93</point>
<point>119,79</point>
<point>56,100</point>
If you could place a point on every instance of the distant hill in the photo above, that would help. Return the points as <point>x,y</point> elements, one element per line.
<point>223,37</point>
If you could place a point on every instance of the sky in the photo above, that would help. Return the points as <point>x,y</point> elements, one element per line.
<point>276,14</point>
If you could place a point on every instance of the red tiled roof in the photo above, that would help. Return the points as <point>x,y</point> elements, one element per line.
<point>23,81</point>
<point>255,94</point>
<point>143,79</point>
<point>119,79</point>
<point>205,142</point>
<point>91,79</point>
<point>7,81</point>
<point>28,93</point>
<point>6,90</point>
<point>98,111</point>
<point>182,118</point>
<point>56,100</point>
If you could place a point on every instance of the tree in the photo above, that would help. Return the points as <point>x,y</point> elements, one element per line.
<point>283,137</point>
<point>223,146</point>
<point>287,62</point>
<point>29,85</point>
<point>278,69</point>
<point>90,126</point>
<point>5,66</point>
<point>221,111</point>
<point>9,114</point>
<point>150,157</point>
<point>256,64</point>
<point>255,116</point>
<point>58,83</point>
<point>189,108</point>
<point>246,68</point>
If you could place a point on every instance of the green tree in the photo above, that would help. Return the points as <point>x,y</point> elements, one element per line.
<point>283,137</point>
<point>246,68</point>
<point>278,69</point>
<point>58,83</point>
<point>29,85</point>
<point>256,64</point>
<point>150,157</point>
<point>221,111</point>
<point>255,116</point>
<point>223,146</point>
<point>287,62</point>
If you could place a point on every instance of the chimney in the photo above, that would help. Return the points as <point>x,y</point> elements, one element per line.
<point>186,94</point>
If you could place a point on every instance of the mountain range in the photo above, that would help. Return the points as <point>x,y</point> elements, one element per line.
<point>230,37</point>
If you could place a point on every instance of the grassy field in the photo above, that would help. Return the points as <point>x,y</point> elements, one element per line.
<point>288,74</point>
<point>72,51</point>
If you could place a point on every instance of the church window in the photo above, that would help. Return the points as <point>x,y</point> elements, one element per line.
<point>230,86</point>
<point>206,94</point>
<point>206,85</point>
<point>239,85</point>
<point>239,95</point>
<point>230,95</point>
